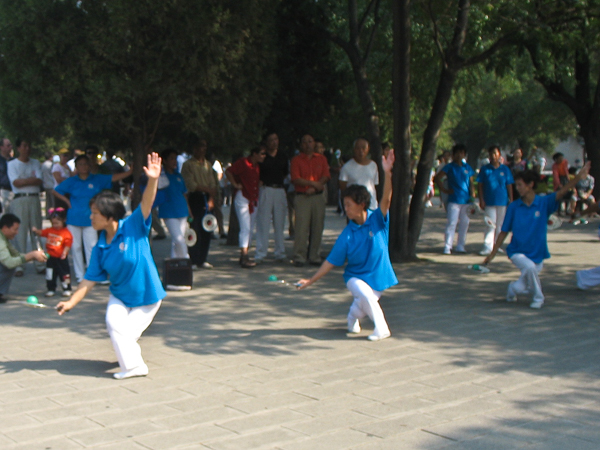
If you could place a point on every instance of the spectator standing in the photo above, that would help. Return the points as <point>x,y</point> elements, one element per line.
<point>361,170</point>
<point>6,193</point>
<point>198,175</point>
<point>309,173</point>
<point>517,164</point>
<point>10,257</point>
<point>48,181</point>
<point>244,175</point>
<point>25,176</point>
<point>217,210</point>
<point>560,177</point>
<point>60,172</point>
<point>460,191</point>
<point>445,158</point>
<point>272,202</point>
<point>111,166</point>
<point>583,196</point>
<point>495,188</point>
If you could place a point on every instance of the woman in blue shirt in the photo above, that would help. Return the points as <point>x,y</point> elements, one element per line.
<point>81,188</point>
<point>364,243</point>
<point>172,204</point>
<point>123,252</point>
<point>527,219</point>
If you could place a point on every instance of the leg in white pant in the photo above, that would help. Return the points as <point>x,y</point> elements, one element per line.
<point>279,214</point>
<point>588,278</point>
<point>242,208</point>
<point>90,239</point>
<point>125,326</point>
<point>463,227</point>
<point>177,229</point>
<point>263,221</point>
<point>77,251</point>
<point>456,213</point>
<point>496,214</point>
<point>366,302</point>
<point>529,281</point>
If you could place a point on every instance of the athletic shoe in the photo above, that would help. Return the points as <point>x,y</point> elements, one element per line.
<point>447,251</point>
<point>460,250</point>
<point>485,252</point>
<point>207,265</point>
<point>140,371</point>
<point>49,294</point>
<point>379,337</point>
<point>536,305</point>
<point>67,293</point>
<point>353,326</point>
<point>510,297</point>
<point>104,283</point>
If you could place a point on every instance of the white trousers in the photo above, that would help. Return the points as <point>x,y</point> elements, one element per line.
<point>84,238</point>
<point>529,281</point>
<point>588,278</point>
<point>177,228</point>
<point>456,215</point>
<point>272,204</point>
<point>242,208</point>
<point>125,326</point>
<point>366,303</point>
<point>496,213</point>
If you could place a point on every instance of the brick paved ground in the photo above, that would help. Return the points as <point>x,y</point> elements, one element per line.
<point>241,363</point>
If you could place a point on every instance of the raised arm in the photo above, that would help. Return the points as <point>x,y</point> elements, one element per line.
<point>152,171</point>
<point>386,196</point>
<point>585,170</point>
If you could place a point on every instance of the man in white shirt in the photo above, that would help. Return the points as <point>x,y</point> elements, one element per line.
<point>25,176</point>
<point>361,170</point>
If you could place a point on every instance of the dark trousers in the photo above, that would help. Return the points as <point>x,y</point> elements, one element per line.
<point>57,268</point>
<point>199,252</point>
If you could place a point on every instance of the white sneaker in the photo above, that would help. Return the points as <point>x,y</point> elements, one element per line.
<point>447,251</point>
<point>50,294</point>
<point>67,293</point>
<point>460,250</point>
<point>379,337</point>
<point>510,297</point>
<point>485,252</point>
<point>140,371</point>
<point>207,265</point>
<point>353,326</point>
<point>536,305</point>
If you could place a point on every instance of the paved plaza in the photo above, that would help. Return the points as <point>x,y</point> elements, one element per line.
<point>243,363</point>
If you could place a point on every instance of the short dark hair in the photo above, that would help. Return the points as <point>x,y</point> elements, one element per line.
<point>80,157</point>
<point>557,155</point>
<point>92,148</point>
<point>493,148</point>
<point>528,176</point>
<point>256,150</point>
<point>168,152</point>
<point>459,148</point>
<point>19,141</point>
<point>358,194</point>
<point>8,220</point>
<point>109,204</point>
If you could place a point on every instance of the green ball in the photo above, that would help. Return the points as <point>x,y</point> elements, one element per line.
<point>32,299</point>
<point>272,277</point>
<point>47,255</point>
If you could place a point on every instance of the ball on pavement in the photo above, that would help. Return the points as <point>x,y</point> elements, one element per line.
<point>272,277</point>
<point>32,299</point>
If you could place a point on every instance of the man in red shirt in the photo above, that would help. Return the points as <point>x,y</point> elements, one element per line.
<point>244,175</point>
<point>309,172</point>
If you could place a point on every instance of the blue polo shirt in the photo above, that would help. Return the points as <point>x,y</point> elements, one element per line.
<point>81,192</point>
<point>494,181</point>
<point>127,259</point>
<point>366,249</point>
<point>170,200</point>
<point>459,180</point>
<point>529,226</point>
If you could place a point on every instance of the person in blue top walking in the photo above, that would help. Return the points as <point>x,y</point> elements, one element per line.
<point>364,244</point>
<point>81,188</point>
<point>460,192</point>
<point>172,204</point>
<point>527,219</point>
<point>494,183</point>
<point>123,252</point>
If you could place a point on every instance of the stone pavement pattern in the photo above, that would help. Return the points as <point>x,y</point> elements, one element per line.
<point>241,363</point>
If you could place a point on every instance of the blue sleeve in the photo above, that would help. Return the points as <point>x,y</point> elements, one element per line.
<point>135,225</point>
<point>508,218</point>
<point>446,168</point>
<point>94,271</point>
<point>481,176</point>
<point>64,187</point>
<point>550,203</point>
<point>161,197</point>
<point>471,171</point>
<point>338,253</point>
<point>105,182</point>
<point>509,176</point>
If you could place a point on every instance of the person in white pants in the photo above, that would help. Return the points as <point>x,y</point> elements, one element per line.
<point>494,185</point>
<point>123,253</point>
<point>460,192</point>
<point>527,219</point>
<point>591,277</point>
<point>364,244</point>
<point>244,175</point>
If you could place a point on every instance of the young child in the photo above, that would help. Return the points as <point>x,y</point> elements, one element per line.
<point>58,244</point>
<point>364,243</point>
<point>527,219</point>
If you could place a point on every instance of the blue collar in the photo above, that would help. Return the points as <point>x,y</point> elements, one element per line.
<point>354,226</point>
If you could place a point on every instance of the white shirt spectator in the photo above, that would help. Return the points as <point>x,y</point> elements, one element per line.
<point>18,170</point>
<point>367,176</point>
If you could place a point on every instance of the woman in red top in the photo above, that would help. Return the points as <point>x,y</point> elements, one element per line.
<point>244,175</point>
<point>58,243</point>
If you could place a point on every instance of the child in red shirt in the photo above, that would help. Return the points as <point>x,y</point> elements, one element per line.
<point>58,244</point>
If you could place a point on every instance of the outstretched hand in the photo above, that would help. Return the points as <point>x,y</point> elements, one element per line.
<point>152,169</point>
<point>388,163</point>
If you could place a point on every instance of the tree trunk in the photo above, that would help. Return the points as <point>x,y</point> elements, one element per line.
<point>591,137</point>
<point>430,138</point>
<point>399,210</point>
